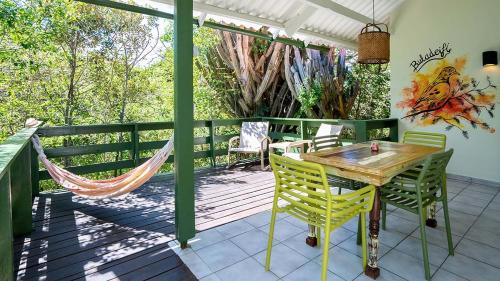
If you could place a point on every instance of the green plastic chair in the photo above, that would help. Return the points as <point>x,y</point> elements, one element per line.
<point>326,142</point>
<point>424,138</point>
<point>303,188</point>
<point>416,192</point>
<point>427,139</point>
<point>322,142</point>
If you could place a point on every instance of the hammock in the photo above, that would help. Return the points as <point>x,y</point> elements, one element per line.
<point>98,189</point>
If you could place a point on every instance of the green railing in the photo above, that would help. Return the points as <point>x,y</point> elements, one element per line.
<point>208,142</point>
<point>15,195</point>
<point>211,137</point>
<point>20,174</point>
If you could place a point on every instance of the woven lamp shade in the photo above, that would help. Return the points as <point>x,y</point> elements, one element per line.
<point>374,45</point>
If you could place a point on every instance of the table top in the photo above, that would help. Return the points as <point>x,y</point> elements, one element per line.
<point>358,162</point>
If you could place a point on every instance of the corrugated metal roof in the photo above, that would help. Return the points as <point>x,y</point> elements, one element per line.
<point>323,25</point>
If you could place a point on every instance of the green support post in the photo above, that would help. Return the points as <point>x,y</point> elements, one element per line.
<point>35,175</point>
<point>184,121</point>
<point>393,131</point>
<point>135,143</point>
<point>211,131</point>
<point>21,193</point>
<point>303,130</point>
<point>6,248</point>
<point>360,130</point>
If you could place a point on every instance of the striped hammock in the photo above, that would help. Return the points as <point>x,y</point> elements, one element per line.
<point>98,189</point>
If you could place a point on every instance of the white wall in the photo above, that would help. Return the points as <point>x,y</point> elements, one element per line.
<point>471,27</point>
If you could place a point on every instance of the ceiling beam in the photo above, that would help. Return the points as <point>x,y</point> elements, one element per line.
<point>339,9</point>
<point>214,10</point>
<point>348,44</point>
<point>218,11</point>
<point>294,24</point>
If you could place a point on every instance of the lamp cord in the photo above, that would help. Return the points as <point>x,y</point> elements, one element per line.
<point>373,11</point>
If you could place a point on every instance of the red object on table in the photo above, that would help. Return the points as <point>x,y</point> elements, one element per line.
<point>374,146</point>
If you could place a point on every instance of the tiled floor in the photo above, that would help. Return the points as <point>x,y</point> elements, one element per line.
<point>236,251</point>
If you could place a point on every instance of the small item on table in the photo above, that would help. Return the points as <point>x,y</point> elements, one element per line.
<point>374,146</point>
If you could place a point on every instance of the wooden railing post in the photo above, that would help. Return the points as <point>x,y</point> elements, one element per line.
<point>303,130</point>
<point>6,247</point>
<point>21,192</point>
<point>211,131</point>
<point>361,131</point>
<point>135,143</point>
<point>35,172</point>
<point>394,131</point>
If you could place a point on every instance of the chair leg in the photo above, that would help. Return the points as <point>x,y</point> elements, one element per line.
<point>358,234</point>
<point>363,239</point>
<point>324,265</point>
<point>271,234</point>
<point>262,159</point>
<point>340,191</point>
<point>384,215</point>
<point>451,250</point>
<point>318,236</point>
<point>423,238</point>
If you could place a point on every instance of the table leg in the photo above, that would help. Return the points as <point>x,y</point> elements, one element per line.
<point>431,219</point>
<point>372,269</point>
<point>312,238</point>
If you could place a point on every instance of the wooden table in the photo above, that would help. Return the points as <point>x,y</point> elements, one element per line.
<point>359,163</point>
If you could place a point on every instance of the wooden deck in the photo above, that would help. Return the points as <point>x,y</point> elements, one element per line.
<point>126,238</point>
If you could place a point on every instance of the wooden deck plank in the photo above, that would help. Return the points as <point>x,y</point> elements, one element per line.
<point>88,205</point>
<point>110,214</point>
<point>126,239</point>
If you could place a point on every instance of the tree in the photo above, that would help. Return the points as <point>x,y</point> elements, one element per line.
<point>318,81</point>
<point>373,100</point>
<point>252,72</point>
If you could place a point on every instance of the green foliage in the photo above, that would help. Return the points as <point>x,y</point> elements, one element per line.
<point>309,96</point>
<point>260,46</point>
<point>373,101</point>
<point>70,63</point>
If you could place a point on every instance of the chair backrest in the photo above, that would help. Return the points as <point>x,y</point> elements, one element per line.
<point>431,175</point>
<point>328,136</point>
<point>302,185</point>
<point>424,138</point>
<point>329,130</point>
<point>252,133</point>
<point>304,188</point>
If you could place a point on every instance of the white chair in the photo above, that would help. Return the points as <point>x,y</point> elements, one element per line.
<point>327,136</point>
<point>253,139</point>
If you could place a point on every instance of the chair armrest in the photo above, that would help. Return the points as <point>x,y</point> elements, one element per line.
<point>301,143</point>
<point>233,139</point>
<point>268,139</point>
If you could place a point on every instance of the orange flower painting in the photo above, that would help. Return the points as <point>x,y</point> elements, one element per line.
<point>444,94</point>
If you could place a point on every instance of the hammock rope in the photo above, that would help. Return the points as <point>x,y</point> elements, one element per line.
<point>99,189</point>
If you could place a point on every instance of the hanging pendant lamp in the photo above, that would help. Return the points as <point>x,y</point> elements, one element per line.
<point>374,43</point>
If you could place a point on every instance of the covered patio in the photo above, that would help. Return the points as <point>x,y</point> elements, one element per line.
<point>213,223</point>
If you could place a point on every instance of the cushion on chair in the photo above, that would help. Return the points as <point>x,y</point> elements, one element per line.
<point>252,133</point>
<point>329,130</point>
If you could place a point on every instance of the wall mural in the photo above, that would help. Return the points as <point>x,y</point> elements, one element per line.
<point>442,93</point>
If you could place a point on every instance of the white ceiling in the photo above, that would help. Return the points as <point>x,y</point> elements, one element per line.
<point>336,22</point>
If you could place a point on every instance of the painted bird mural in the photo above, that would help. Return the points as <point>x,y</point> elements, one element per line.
<point>437,92</point>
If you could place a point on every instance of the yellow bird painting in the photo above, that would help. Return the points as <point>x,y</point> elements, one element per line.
<point>438,92</point>
<point>441,94</point>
